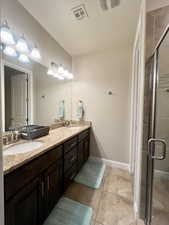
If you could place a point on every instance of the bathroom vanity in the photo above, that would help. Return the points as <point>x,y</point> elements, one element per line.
<point>34,184</point>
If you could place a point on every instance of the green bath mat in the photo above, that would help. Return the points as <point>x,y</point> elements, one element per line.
<point>91,174</point>
<point>69,212</point>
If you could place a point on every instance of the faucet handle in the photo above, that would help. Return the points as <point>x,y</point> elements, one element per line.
<point>5,140</point>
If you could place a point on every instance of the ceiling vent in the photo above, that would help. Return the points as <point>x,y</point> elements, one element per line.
<point>80,12</point>
<point>106,4</point>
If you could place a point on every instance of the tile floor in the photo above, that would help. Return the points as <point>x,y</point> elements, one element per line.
<point>113,203</point>
<point>160,201</point>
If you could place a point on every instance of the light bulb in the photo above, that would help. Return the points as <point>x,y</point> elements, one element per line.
<point>8,50</point>
<point>23,58</point>
<point>66,74</point>
<point>50,72</point>
<point>6,36</point>
<point>71,76</point>
<point>22,46</point>
<point>61,70</point>
<point>35,54</point>
<point>59,77</point>
<point>54,74</point>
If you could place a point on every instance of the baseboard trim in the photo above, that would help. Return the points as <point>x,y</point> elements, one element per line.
<point>136,210</point>
<point>160,173</point>
<point>114,164</point>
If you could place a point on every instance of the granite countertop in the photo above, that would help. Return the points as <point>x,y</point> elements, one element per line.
<point>55,138</point>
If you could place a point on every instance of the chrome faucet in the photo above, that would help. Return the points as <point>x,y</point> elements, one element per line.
<point>10,138</point>
<point>67,123</point>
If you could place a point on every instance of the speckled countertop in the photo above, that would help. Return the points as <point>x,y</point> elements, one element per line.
<point>55,137</point>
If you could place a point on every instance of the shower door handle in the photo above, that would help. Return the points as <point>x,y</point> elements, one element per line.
<point>152,151</point>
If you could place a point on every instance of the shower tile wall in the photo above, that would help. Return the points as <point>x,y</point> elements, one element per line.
<point>157,21</point>
<point>163,119</point>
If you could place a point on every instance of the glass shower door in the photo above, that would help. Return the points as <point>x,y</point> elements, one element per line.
<point>160,190</point>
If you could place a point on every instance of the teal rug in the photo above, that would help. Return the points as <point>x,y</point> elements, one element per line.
<point>91,174</point>
<point>69,212</point>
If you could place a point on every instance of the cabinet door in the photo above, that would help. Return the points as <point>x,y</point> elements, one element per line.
<point>70,159</point>
<point>26,207</point>
<point>80,155</point>
<point>54,185</point>
<point>86,149</point>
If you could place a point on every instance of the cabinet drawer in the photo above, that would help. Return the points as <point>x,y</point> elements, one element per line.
<point>70,158</point>
<point>84,134</point>
<point>70,144</point>
<point>17,179</point>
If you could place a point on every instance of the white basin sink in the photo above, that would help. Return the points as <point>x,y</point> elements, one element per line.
<point>74,128</point>
<point>23,148</point>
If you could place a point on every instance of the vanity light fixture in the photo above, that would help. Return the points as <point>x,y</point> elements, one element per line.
<point>68,75</point>
<point>6,36</point>
<point>59,77</point>
<point>23,58</point>
<point>50,72</point>
<point>22,45</point>
<point>53,71</point>
<point>10,51</point>
<point>35,53</point>
<point>59,72</point>
<point>61,69</point>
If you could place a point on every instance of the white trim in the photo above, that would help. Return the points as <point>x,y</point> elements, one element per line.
<point>2,97</point>
<point>1,162</point>
<point>30,74</point>
<point>114,164</point>
<point>141,29</point>
<point>136,214</point>
<point>163,174</point>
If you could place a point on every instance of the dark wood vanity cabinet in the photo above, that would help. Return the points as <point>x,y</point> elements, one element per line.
<point>83,148</point>
<point>32,191</point>
<point>53,185</point>
<point>26,206</point>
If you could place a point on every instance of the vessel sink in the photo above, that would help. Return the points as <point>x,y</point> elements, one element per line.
<point>23,148</point>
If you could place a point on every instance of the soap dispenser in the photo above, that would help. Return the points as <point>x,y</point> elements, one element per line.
<point>80,110</point>
<point>61,110</point>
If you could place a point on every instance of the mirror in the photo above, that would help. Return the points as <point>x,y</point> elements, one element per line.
<point>16,95</point>
<point>43,99</point>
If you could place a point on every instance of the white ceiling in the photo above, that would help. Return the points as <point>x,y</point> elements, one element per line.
<point>101,30</point>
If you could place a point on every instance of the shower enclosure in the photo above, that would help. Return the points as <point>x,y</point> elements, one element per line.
<point>155,154</point>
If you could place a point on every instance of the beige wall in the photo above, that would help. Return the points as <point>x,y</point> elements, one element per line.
<point>20,21</point>
<point>96,75</point>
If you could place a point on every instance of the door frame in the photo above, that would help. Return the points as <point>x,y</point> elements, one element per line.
<point>30,77</point>
<point>136,154</point>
